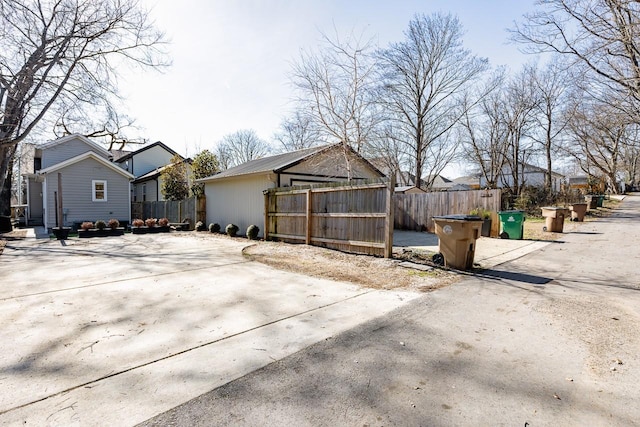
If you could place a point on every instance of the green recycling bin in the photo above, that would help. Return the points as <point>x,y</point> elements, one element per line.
<point>600,200</point>
<point>511,224</point>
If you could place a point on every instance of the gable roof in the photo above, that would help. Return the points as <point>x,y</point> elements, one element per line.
<point>158,171</point>
<point>278,163</point>
<point>84,156</point>
<point>68,138</point>
<point>145,148</point>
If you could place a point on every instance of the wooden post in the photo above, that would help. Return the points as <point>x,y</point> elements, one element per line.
<point>266,214</point>
<point>388,222</point>
<point>60,210</point>
<point>309,210</point>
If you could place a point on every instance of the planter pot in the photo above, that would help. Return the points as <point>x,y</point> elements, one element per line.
<point>94,232</point>
<point>486,228</point>
<point>61,233</point>
<point>139,230</point>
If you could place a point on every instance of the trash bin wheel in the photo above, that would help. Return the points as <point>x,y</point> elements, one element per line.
<point>504,235</point>
<point>544,228</point>
<point>438,259</point>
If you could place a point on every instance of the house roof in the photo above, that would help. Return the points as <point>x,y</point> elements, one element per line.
<point>84,156</point>
<point>68,138</point>
<point>276,163</point>
<point>145,148</point>
<point>404,188</point>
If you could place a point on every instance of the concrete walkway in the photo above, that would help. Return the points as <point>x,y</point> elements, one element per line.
<point>113,331</point>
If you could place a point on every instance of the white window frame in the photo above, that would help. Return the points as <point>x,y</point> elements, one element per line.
<point>94,191</point>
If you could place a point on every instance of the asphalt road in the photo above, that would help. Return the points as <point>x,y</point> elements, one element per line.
<point>549,339</point>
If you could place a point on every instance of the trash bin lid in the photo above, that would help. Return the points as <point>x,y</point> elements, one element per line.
<point>554,208</point>
<point>514,211</point>
<point>460,217</point>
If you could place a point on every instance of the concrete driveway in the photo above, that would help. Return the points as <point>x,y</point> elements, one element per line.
<point>113,331</point>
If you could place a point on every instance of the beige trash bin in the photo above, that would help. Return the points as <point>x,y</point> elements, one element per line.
<point>554,218</point>
<point>457,235</point>
<point>578,210</point>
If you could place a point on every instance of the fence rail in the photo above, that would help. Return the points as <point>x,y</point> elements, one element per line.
<point>351,218</point>
<point>193,208</point>
<point>416,211</point>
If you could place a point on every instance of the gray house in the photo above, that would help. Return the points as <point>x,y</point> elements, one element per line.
<point>93,187</point>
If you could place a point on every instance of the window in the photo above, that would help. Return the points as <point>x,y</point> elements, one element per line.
<point>144,192</point>
<point>99,191</point>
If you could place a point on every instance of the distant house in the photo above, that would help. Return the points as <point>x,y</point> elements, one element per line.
<point>529,175</point>
<point>236,195</point>
<point>408,189</point>
<point>147,164</point>
<point>471,182</point>
<point>92,186</point>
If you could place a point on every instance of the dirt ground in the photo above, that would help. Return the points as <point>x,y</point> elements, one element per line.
<point>12,235</point>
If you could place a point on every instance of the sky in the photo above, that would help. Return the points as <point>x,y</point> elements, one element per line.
<point>232,59</point>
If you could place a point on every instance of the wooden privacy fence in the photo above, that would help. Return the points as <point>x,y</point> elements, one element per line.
<point>416,211</point>
<point>193,208</point>
<point>352,218</point>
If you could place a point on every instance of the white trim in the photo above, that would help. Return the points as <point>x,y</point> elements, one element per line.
<point>88,154</point>
<point>44,205</point>
<point>94,191</point>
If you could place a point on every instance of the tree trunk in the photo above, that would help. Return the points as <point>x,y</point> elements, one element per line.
<point>6,165</point>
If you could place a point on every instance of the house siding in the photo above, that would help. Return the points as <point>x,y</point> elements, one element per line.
<point>77,193</point>
<point>330,164</point>
<point>61,152</point>
<point>237,200</point>
<point>148,160</point>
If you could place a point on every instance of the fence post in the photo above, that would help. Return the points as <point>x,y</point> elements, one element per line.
<point>308,236</point>
<point>388,222</point>
<point>266,214</point>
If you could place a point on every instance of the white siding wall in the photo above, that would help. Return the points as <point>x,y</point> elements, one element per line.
<point>149,160</point>
<point>237,200</point>
<point>65,151</point>
<point>77,192</point>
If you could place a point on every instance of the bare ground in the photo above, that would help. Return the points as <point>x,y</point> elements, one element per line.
<point>12,235</point>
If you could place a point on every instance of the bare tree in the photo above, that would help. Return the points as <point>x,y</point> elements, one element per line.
<point>552,111</point>
<point>423,78</point>
<point>603,135</point>
<point>602,35</point>
<point>297,132</point>
<point>241,147</point>
<point>335,88</point>
<point>483,132</point>
<point>52,52</point>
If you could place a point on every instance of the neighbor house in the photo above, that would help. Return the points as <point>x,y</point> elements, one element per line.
<point>236,195</point>
<point>529,175</point>
<point>147,165</point>
<point>92,187</point>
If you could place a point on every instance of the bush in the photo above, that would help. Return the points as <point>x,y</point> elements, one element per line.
<point>252,232</point>
<point>200,226</point>
<point>151,222</point>
<point>101,225</point>
<point>231,230</point>
<point>113,223</point>
<point>163,222</point>
<point>137,222</point>
<point>214,227</point>
<point>481,212</point>
<point>87,225</point>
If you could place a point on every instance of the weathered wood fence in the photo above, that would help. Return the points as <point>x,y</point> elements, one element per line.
<point>193,208</point>
<point>416,211</point>
<point>352,218</point>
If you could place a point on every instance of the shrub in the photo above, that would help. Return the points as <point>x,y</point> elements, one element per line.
<point>231,230</point>
<point>481,212</point>
<point>214,227</point>
<point>87,225</point>
<point>137,222</point>
<point>113,223</point>
<point>151,222</point>
<point>252,232</point>
<point>101,225</point>
<point>163,222</point>
<point>200,226</point>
